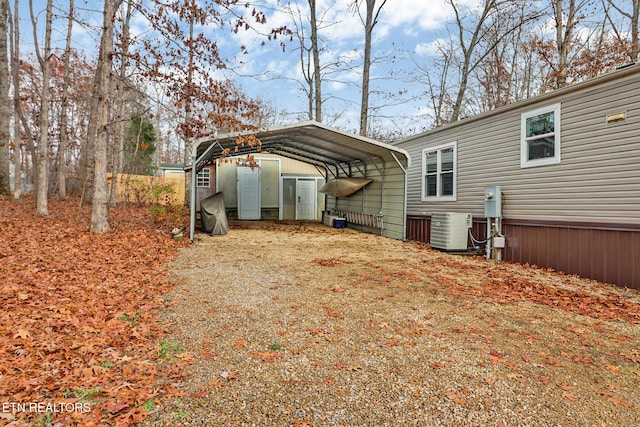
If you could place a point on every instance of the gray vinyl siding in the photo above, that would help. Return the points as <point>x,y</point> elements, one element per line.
<point>394,202</point>
<point>598,179</point>
<point>382,196</point>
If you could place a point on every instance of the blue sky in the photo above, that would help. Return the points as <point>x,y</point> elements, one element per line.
<point>406,32</point>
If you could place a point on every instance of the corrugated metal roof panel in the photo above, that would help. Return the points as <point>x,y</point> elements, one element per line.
<point>311,142</point>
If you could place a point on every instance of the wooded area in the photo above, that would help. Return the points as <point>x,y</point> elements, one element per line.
<point>68,117</point>
<point>80,313</point>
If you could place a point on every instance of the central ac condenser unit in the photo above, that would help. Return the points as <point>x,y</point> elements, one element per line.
<point>450,230</point>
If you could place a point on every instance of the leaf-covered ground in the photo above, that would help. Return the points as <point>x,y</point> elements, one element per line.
<point>79,331</point>
<point>305,325</point>
<point>279,324</point>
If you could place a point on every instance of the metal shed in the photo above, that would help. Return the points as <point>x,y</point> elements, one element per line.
<point>378,208</point>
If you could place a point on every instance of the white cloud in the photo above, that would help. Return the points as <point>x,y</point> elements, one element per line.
<point>429,48</point>
<point>428,15</point>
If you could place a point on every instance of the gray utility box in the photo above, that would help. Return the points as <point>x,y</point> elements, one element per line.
<point>493,202</point>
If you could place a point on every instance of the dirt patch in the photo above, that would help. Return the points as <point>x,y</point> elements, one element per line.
<point>301,324</point>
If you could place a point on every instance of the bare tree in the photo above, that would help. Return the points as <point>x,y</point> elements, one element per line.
<point>468,47</point>
<point>309,55</point>
<point>100,201</point>
<point>566,15</point>
<point>369,21</point>
<point>117,161</point>
<point>44,59</point>
<point>482,58</point>
<point>4,100</point>
<point>308,27</point>
<point>19,116</point>
<point>504,74</point>
<point>64,133</point>
<point>433,76</point>
<point>632,16</point>
<point>316,61</point>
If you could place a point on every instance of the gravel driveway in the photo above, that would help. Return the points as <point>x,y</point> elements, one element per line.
<point>305,325</point>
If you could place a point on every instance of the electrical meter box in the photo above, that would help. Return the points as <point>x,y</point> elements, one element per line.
<point>493,202</point>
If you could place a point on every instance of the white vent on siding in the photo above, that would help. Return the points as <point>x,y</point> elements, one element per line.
<point>449,230</point>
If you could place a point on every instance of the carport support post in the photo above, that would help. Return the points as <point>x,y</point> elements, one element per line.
<point>192,201</point>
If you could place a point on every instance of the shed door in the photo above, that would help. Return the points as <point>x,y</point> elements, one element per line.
<point>306,199</point>
<point>248,193</point>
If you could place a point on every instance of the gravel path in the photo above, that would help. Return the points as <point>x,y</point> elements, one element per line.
<point>305,325</point>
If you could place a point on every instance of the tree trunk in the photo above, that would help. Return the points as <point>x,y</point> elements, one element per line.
<point>100,202</point>
<point>317,75</point>
<point>43,143</point>
<point>4,100</point>
<point>64,135</point>
<point>187,118</point>
<point>370,21</point>
<point>17,107</point>
<point>306,53</point>
<point>118,154</point>
<point>635,42</point>
<point>366,68</point>
<point>87,158</point>
<point>564,36</point>
<point>467,50</point>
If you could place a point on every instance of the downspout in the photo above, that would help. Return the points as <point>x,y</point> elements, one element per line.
<point>404,207</point>
<point>382,179</point>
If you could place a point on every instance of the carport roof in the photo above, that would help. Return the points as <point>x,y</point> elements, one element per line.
<point>310,142</point>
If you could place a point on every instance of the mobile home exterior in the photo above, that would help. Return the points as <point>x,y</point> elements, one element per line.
<point>568,165</point>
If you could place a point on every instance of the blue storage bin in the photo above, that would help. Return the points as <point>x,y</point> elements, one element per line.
<point>339,223</point>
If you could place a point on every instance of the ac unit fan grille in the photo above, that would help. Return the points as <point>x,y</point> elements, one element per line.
<point>450,230</point>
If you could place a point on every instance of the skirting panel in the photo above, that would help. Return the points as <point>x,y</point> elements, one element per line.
<point>608,253</point>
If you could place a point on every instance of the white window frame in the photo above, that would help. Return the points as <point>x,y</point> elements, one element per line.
<point>524,141</point>
<point>439,149</point>
<point>203,178</point>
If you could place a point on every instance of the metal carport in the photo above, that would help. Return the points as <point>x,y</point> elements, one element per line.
<point>380,207</point>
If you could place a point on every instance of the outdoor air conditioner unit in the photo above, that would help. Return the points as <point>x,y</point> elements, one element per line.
<point>450,230</point>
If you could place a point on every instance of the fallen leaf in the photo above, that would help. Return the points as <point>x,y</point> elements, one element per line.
<point>456,398</point>
<point>7,416</point>
<point>612,368</point>
<point>543,379</point>
<point>200,394</point>
<point>267,356</point>
<point>619,402</point>
<point>22,333</point>
<point>239,344</point>
<point>215,384</point>
<point>229,375</point>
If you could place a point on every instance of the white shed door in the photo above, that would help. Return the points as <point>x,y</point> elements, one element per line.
<point>306,199</point>
<point>248,193</point>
